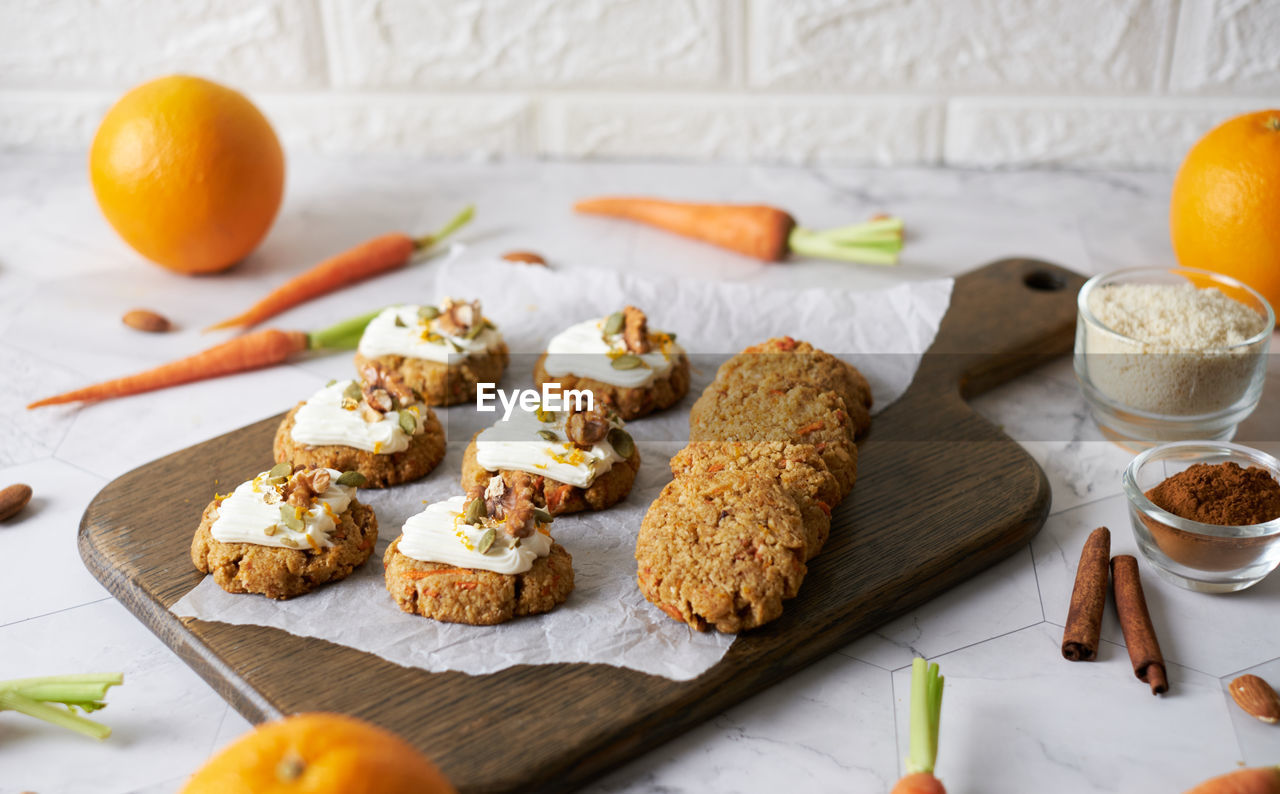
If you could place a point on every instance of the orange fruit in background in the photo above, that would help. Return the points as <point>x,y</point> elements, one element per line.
<point>318,753</point>
<point>188,172</point>
<point>1224,214</point>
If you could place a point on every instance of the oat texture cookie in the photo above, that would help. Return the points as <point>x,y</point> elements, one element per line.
<point>722,550</point>
<point>482,558</point>
<point>248,545</point>
<point>375,426</point>
<point>800,413</point>
<point>473,596</point>
<point>783,362</point>
<point>578,459</point>
<point>624,364</point>
<point>798,468</point>
<point>441,352</point>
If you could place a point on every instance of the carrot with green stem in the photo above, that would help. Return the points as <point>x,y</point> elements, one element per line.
<point>264,348</point>
<point>926,711</point>
<point>757,230</point>
<point>369,259</point>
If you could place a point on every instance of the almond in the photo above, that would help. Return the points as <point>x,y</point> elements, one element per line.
<point>527,257</point>
<point>147,320</point>
<point>1256,697</point>
<point>13,499</point>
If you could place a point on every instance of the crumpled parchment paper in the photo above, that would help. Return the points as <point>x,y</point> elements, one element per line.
<point>605,620</point>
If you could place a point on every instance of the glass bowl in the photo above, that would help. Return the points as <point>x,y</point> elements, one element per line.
<point>1209,558</point>
<point>1140,397</point>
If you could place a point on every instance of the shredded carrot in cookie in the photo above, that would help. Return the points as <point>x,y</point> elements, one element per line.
<point>467,585</point>
<point>425,574</point>
<point>809,428</point>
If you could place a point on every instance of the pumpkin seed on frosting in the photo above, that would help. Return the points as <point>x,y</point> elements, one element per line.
<point>612,324</point>
<point>407,423</point>
<point>474,512</point>
<point>352,478</point>
<point>622,442</point>
<point>627,361</point>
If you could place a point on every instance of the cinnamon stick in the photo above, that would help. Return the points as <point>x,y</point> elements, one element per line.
<point>1135,622</point>
<point>1088,597</point>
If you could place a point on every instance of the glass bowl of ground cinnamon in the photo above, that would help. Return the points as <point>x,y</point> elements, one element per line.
<point>1170,354</point>
<point>1206,514</point>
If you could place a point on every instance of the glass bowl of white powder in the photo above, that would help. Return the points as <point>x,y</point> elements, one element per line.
<point>1170,354</point>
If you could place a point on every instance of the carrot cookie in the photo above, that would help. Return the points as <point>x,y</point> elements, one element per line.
<point>620,361</point>
<point>479,559</point>
<point>798,468</point>
<point>782,362</point>
<point>375,426</point>
<point>284,533</point>
<point>439,352</point>
<point>721,550</point>
<point>578,460</point>
<point>803,414</point>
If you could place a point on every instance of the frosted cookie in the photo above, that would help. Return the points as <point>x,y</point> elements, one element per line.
<point>783,362</point>
<point>800,414</point>
<point>798,468</point>
<point>284,533</point>
<point>721,550</point>
<point>479,559</point>
<point>578,460</point>
<point>375,426</point>
<point>617,358</point>
<point>440,352</point>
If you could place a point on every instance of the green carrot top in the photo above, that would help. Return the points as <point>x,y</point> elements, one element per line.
<point>926,711</point>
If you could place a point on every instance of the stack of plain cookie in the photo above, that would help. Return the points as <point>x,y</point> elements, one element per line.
<point>771,452</point>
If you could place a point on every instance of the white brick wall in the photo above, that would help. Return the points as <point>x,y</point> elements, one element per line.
<point>1087,83</point>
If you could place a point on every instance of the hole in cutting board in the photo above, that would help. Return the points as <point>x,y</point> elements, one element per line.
<point>1044,281</point>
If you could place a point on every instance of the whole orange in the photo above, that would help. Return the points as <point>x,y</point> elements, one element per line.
<point>189,173</point>
<point>318,753</point>
<point>1224,214</point>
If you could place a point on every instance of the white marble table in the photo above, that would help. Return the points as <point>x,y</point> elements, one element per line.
<point>1016,716</point>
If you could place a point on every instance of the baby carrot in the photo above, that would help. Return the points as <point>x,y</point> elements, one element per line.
<point>1255,780</point>
<point>369,259</point>
<point>259,349</point>
<point>926,712</point>
<point>756,230</point>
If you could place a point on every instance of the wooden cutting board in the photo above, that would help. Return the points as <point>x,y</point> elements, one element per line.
<point>942,494</point>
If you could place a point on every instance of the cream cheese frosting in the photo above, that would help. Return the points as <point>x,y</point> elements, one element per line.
<point>438,534</point>
<point>324,419</point>
<point>515,444</point>
<point>401,331</point>
<point>252,514</point>
<point>585,351</point>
